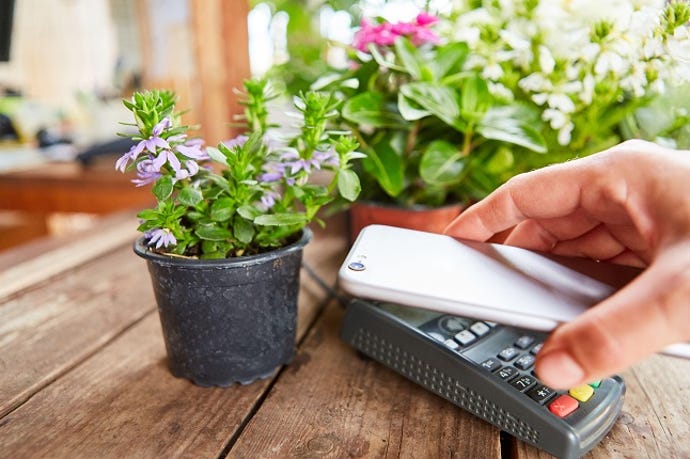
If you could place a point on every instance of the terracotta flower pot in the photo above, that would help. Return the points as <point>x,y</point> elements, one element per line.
<point>431,219</point>
<point>228,320</point>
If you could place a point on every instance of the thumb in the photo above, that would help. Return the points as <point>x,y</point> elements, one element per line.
<point>644,317</point>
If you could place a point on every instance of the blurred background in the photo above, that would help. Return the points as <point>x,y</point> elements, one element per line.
<point>65,65</point>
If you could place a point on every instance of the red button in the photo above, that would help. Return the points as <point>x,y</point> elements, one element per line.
<point>563,406</point>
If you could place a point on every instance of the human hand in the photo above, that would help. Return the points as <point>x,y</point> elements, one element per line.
<point>629,205</point>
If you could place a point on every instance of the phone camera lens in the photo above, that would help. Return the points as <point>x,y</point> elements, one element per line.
<point>356,266</point>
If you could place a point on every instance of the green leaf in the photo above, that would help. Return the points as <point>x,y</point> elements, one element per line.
<point>249,212</point>
<point>213,233</point>
<point>505,125</point>
<point>348,184</point>
<point>501,161</point>
<point>380,60</point>
<point>449,59</point>
<point>222,209</point>
<point>475,98</point>
<point>372,109</point>
<point>190,196</point>
<point>220,181</point>
<point>409,109</point>
<point>163,188</point>
<point>216,155</point>
<point>148,214</point>
<point>441,164</point>
<point>385,164</point>
<point>281,219</point>
<point>440,100</point>
<point>243,230</point>
<point>409,56</point>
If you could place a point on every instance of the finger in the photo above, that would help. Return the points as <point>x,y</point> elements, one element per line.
<point>543,235</point>
<point>550,192</point>
<point>598,244</point>
<point>642,318</point>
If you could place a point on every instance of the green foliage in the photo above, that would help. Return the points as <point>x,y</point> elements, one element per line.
<point>422,121</point>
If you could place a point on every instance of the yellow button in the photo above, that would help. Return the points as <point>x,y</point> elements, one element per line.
<point>582,393</point>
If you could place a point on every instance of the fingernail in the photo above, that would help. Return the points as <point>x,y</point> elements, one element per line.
<point>559,370</point>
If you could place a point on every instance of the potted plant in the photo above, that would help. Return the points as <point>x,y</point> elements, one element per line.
<point>448,108</point>
<point>224,243</point>
<point>433,133</point>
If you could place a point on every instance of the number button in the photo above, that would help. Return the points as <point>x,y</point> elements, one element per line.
<point>480,328</point>
<point>465,337</point>
<point>523,383</point>
<point>525,362</point>
<point>524,341</point>
<point>508,354</point>
<point>507,373</point>
<point>491,364</point>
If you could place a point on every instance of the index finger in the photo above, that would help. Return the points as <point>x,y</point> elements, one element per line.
<point>551,192</point>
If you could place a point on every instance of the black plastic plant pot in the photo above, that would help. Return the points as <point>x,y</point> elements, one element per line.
<point>227,321</point>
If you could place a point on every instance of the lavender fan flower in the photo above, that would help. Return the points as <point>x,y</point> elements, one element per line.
<point>150,144</point>
<point>146,172</point>
<point>160,237</point>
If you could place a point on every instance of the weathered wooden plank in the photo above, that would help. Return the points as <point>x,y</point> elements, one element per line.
<point>330,403</point>
<point>655,420</point>
<point>46,331</point>
<point>123,402</point>
<point>31,264</point>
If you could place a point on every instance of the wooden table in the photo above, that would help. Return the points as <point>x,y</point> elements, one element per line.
<point>83,374</point>
<point>71,187</point>
<point>34,194</point>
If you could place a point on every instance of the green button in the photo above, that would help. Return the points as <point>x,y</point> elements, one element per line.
<point>595,384</point>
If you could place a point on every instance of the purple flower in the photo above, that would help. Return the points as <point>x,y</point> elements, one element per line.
<point>161,237</point>
<point>273,172</point>
<point>191,169</point>
<point>149,144</point>
<point>166,156</point>
<point>269,177</point>
<point>146,173</point>
<point>268,200</point>
<point>238,141</point>
<point>329,158</point>
<point>192,149</point>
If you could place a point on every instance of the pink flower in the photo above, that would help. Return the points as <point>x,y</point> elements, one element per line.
<point>426,19</point>
<point>385,33</point>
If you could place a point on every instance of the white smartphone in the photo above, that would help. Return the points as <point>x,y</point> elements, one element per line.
<point>485,281</point>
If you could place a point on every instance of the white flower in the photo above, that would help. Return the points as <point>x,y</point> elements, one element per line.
<point>560,67</point>
<point>610,61</point>
<point>561,102</point>
<point>501,92</point>
<point>556,118</point>
<point>535,82</point>
<point>586,95</point>
<point>546,60</point>
<point>492,72</point>
<point>565,134</point>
